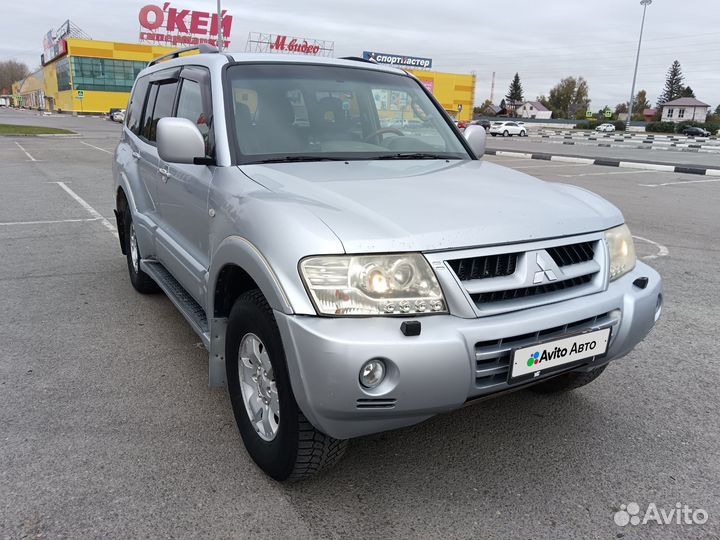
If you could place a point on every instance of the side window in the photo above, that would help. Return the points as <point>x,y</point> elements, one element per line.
<point>133,119</point>
<point>163,107</point>
<point>190,106</point>
<point>146,122</point>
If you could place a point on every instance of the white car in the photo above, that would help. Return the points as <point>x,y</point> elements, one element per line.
<point>507,129</point>
<point>609,128</point>
<point>118,116</point>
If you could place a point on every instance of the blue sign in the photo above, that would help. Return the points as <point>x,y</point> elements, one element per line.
<point>398,60</point>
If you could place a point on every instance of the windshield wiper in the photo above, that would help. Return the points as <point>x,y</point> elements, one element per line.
<point>296,159</point>
<point>415,155</point>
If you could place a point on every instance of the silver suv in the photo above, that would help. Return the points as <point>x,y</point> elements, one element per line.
<point>349,262</point>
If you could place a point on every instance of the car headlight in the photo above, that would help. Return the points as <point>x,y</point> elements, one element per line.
<point>622,251</point>
<point>400,284</point>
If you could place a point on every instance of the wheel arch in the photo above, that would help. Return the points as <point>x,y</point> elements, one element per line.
<point>237,267</point>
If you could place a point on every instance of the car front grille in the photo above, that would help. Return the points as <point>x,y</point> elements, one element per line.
<point>492,358</point>
<point>497,281</point>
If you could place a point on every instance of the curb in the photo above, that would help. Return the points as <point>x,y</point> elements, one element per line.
<point>630,144</point>
<point>665,167</point>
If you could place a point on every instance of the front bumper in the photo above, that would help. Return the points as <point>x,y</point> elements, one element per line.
<point>439,370</point>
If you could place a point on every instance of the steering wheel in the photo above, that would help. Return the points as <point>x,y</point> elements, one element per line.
<point>382,131</point>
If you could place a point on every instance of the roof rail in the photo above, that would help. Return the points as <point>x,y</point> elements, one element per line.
<point>203,48</point>
<point>359,59</point>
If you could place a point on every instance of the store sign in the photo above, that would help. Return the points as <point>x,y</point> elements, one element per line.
<point>294,45</point>
<point>397,60</point>
<point>54,44</point>
<point>176,26</point>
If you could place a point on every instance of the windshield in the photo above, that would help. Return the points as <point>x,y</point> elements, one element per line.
<point>301,112</point>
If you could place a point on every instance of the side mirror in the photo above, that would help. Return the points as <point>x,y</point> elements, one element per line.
<point>179,141</point>
<point>475,136</point>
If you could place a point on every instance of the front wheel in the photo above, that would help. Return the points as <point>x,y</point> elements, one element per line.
<point>523,133</point>
<point>506,133</point>
<point>568,381</point>
<point>276,434</point>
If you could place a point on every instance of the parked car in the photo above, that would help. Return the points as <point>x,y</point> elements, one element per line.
<point>607,127</point>
<point>118,116</point>
<point>484,123</point>
<point>693,131</point>
<point>461,124</point>
<point>507,129</point>
<point>350,282</point>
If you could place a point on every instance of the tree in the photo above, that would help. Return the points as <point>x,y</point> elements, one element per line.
<point>11,71</point>
<point>503,106</point>
<point>569,96</point>
<point>673,84</point>
<point>621,108</point>
<point>687,92</point>
<point>717,110</point>
<point>641,102</point>
<point>515,93</point>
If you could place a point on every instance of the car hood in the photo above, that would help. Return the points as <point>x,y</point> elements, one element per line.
<point>384,206</point>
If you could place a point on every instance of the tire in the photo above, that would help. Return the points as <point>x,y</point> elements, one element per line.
<point>523,133</point>
<point>506,133</point>
<point>289,448</point>
<point>568,381</point>
<point>494,134</point>
<point>140,280</point>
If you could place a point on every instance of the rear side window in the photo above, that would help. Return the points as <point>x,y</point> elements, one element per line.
<point>160,102</point>
<point>133,118</point>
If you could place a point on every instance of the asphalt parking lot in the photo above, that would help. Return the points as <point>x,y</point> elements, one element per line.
<point>108,427</point>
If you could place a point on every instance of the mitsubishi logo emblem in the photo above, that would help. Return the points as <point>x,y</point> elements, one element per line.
<point>545,270</point>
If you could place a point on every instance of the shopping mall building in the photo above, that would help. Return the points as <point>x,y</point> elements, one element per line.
<point>82,75</point>
<point>86,76</point>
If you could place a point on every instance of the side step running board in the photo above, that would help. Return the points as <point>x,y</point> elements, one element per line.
<point>196,316</point>
<point>191,310</point>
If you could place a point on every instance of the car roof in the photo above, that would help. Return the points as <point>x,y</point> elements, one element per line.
<point>214,60</point>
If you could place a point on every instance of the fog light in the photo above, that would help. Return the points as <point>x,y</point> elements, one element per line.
<point>372,373</point>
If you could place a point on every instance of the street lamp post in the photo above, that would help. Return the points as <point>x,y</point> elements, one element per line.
<point>220,25</point>
<point>644,4</point>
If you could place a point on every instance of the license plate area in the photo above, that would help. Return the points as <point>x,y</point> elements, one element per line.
<point>540,359</point>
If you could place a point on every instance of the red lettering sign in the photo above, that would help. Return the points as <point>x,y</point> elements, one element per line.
<point>295,46</point>
<point>176,25</point>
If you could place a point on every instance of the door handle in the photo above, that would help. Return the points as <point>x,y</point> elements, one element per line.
<point>136,155</point>
<point>165,174</point>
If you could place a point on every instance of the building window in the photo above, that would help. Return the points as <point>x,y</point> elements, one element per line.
<point>681,113</point>
<point>63,75</point>
<point>104,74</point>
<point>670,113</point>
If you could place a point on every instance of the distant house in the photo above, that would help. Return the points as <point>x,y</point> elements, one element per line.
<point>684,109</point>
<point>649,114</point>
<point>533,109</point>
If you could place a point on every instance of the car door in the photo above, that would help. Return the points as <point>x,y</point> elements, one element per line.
<point>183,190</point>
<point>513,128</point>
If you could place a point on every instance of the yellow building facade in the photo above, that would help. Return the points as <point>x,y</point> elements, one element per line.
<point>452,90</point>
<point>92,77</point>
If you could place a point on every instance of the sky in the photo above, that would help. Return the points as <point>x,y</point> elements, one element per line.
<point>542,41</point>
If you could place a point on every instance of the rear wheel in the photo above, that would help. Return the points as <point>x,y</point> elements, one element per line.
<point>523,133</point>
<point>140,280</point>
<point>506,133</point>
<point>568,381</point>
<point>276,434</point>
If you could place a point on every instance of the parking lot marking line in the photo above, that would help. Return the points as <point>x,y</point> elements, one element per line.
<point>96,147</point>
<point>706,181</point>
<point>94,213</point>
<point>26,152</point>
<point>662,250</point>
<point>50,222</point>
<point>606,173</point>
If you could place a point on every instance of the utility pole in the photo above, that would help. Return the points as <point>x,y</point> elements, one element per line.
<point>644,4</point>
<point>219,17</point>
<point>492,89</point>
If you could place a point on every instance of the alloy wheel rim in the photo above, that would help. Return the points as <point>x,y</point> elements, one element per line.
<point>258,387</point>
<point>134,254</point>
